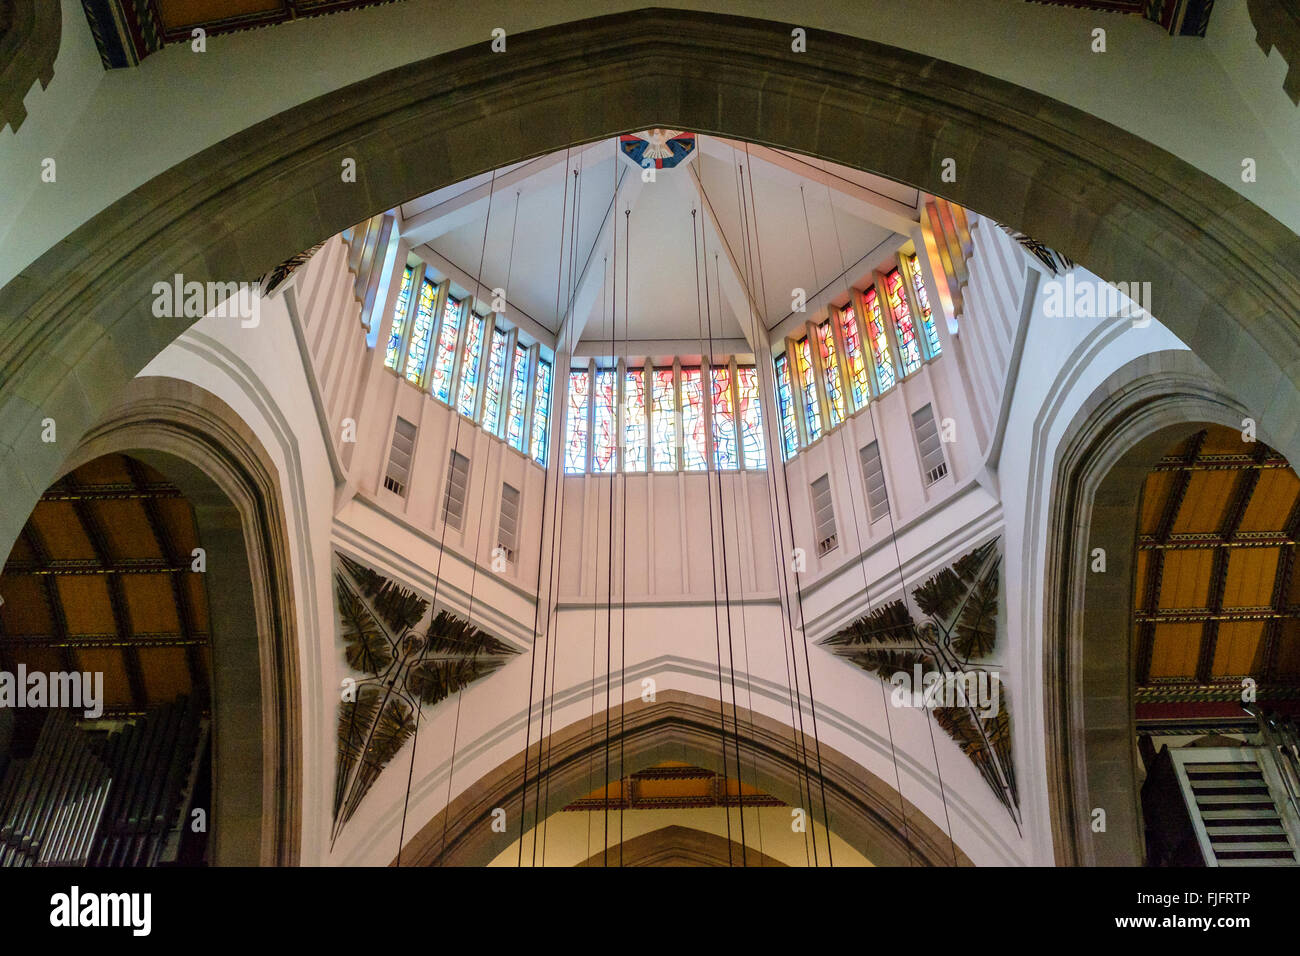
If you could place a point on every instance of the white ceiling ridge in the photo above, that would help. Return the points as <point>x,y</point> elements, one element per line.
<point>741,297</point>
<point>467,206</point>
<point>823,297</point>
<point>513,314</point>
<point>864,203</point>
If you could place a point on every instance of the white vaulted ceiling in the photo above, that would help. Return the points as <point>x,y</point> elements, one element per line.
<point>811,224</point>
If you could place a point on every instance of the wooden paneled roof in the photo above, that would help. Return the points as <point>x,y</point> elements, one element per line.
<point>101,580</point>
<point>1216,599</point>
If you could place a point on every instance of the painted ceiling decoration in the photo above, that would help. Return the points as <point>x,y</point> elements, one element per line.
<point>1216,596</point>
<point>1178,17</point>
<point>1053,260</point>
<point>657,148</point>
<point>127,31</point>
<point>952,645</point>
<point>674,786</point>
<point>406,667</point>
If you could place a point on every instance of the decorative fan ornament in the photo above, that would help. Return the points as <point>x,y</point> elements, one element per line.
<point>405,669</point>
<point>961,605</point>
<point>657,148</point>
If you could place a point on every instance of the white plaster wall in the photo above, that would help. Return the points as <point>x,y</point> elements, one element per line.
<point>1209,103</point>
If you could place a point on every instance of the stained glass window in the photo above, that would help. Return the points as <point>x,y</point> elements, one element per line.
<point>496,379</point>
<point>393,351</point>
<point>518,399</point>
<point>923,303</point>
<point>908,346</point>
<point>603,439</point>
<point>421,330</point>
<point>541,410</point>
<point>859,384</point>
<point>693,456</point>
<point>663,421</point>
<point>575,431</point>
<point>445,357</point>
<point>469,363</point>
<point>634,421</point>
<point>750,414</point>
<point>785,400</point>
<point>808,389</point>
<point>831,368</point>
<point>880,356</point>
<point>725,453</point>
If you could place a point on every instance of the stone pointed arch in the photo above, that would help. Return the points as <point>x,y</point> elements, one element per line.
<point>862,809</point>
<point>206,450</point>
<point>680,846</point>
<point>1105,454</point>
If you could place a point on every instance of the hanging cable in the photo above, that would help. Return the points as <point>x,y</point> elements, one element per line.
<point>803,780</point>
<point>523,802</point>
<point>812,702</point>
<point>621,382</point>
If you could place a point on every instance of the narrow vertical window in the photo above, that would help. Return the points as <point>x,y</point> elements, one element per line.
<point>785,402</point>
<point>541,411</point>
<point>393,351</point>
<point>518,400</point>
<point>663,420</point>
<point>398,473</point>
<point>873,477</point>
<point>575,432</point>
<point>634,421</point>
<point>831,368</point>
<point>604,459</point>
<point>495,382</point>
<point>508,523</point>
<point>908,346</point>
<point>445,355</point>
<point>923,303</point>
<point>880,357</point>
<point>824,516</point>
<point>421,330</point>
<point>725,452</point>
<point>693,455</point>
<point>453,503</point>
<point>929,444</point>
<point>808,389</point>
<point>859,384</point>
<point>750,415</point>
<point>469,363</point>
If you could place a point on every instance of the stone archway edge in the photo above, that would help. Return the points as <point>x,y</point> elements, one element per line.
<point>77,323</point>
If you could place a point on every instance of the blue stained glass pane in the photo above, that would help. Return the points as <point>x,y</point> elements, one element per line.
<point>663,421</point>
<point>923,302</point>
<point>880,354</point>
<point>393,350</point>
<point>541,410</point>
<point>725,453</point>
<point>469,362</point>
<point>693,456</point>
<point>785,399</point>
<point>575,431</point>
<point>908,346</point>
<point>495,383</point>
<point>808,388</point>
<point>518,400</point>
<point>603,458</point>
<point>634,421</point>
<point>750,415</point>
<point>445,357</point>
<point>831,368</point>
<point>421,330</point>
<point>859,384</point>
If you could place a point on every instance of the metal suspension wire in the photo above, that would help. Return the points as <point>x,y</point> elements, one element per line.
<point>893,537</point>
<point>803,778</point>
<point>437,579</point>
<point>537,609</point>
<point>555,645</point>
<point>714,467</point>
<point>621,382</point>
<point>713,560</point>
<point>812,701</point>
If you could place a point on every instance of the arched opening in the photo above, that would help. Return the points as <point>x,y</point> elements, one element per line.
<point>1110,201</point>
<point>1216,629</point>
<point>681,729</point>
